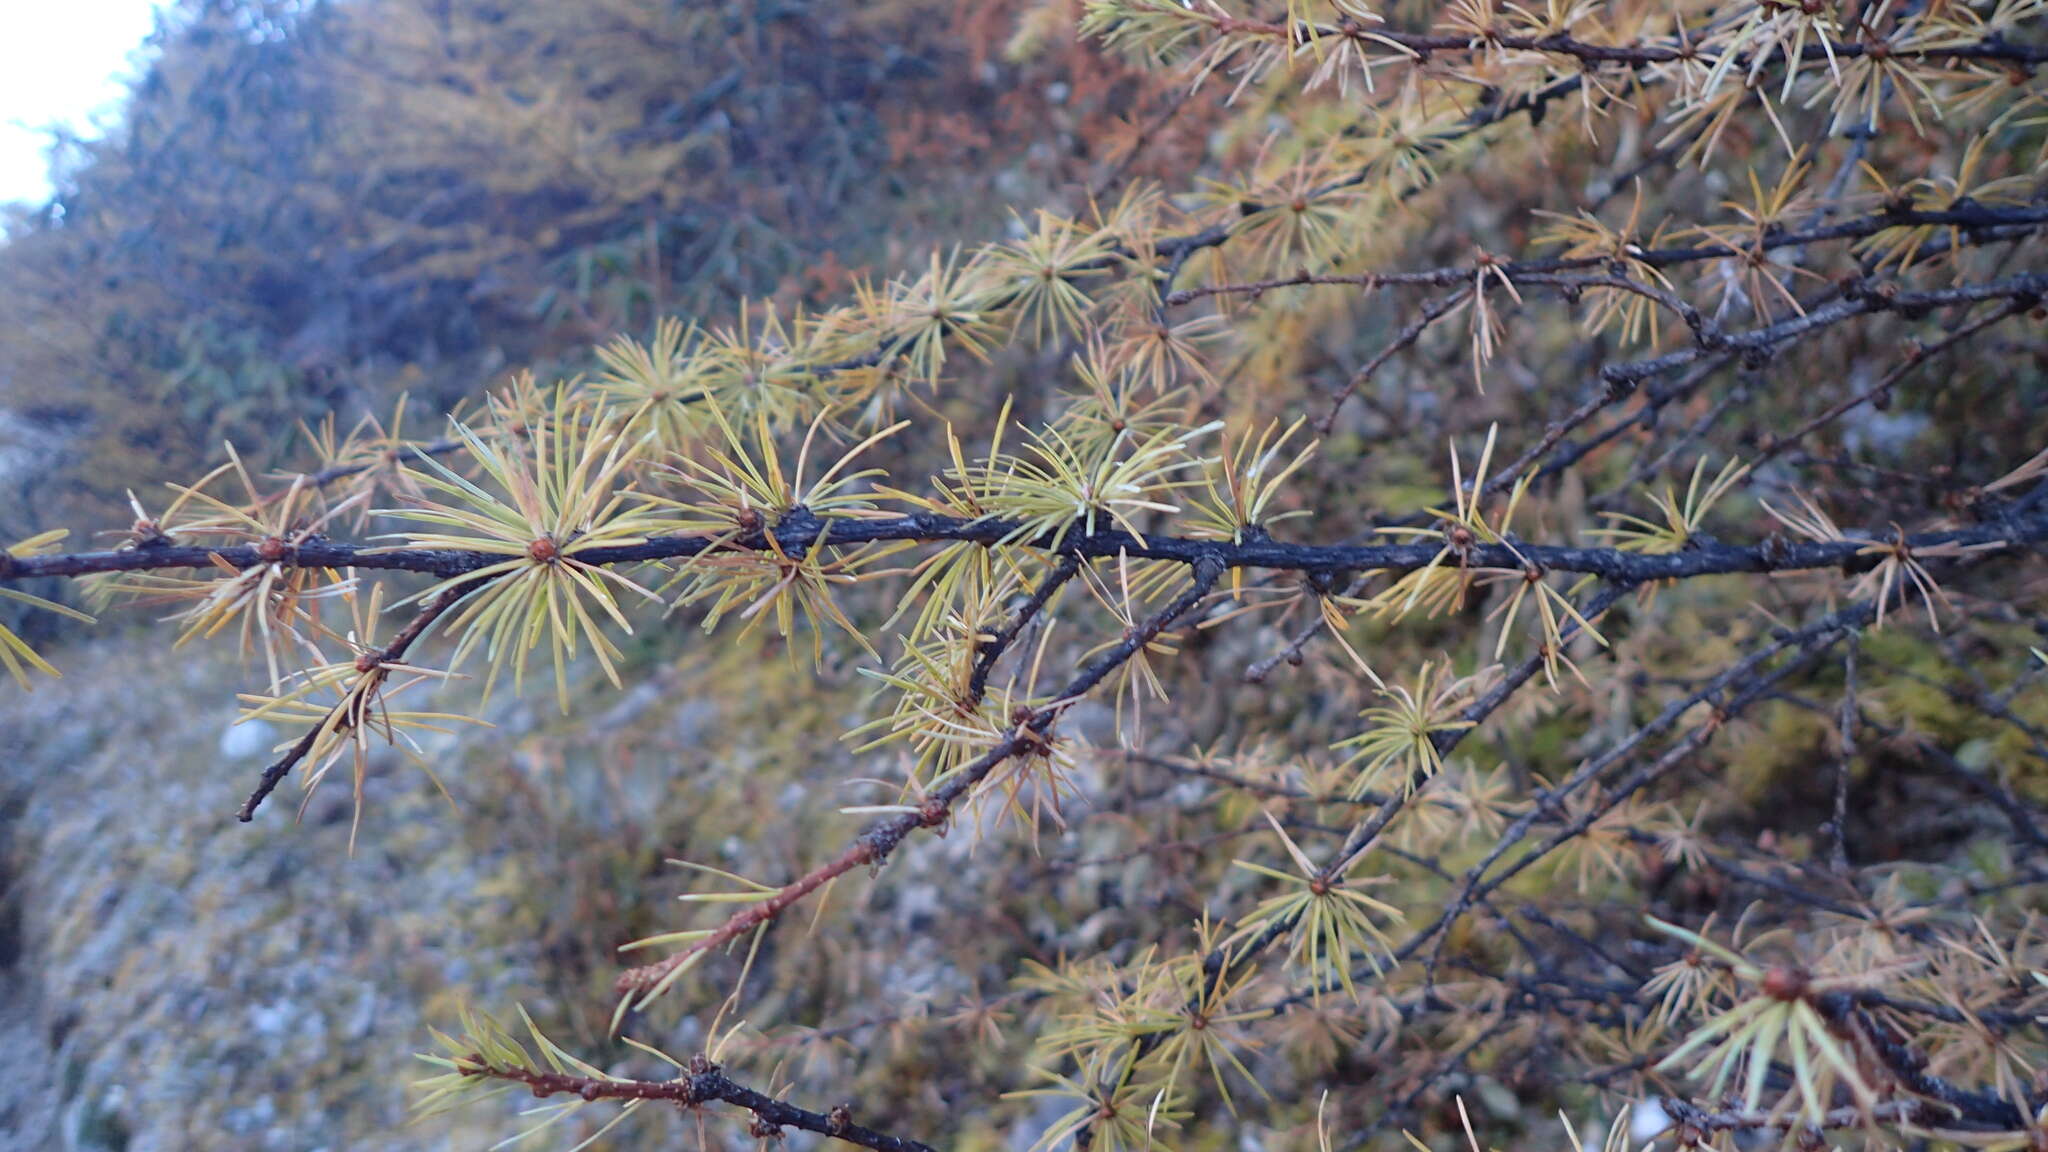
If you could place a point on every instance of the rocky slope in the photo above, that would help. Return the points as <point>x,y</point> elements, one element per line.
<point>178,980</point>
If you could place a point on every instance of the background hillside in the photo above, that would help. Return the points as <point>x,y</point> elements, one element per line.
<point>311,208</point>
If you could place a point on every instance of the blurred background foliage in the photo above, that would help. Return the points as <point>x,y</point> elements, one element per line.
<point>314,207</point>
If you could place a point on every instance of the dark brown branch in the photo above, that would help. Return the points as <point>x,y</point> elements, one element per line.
<point>1031,731</point>
<point>1919,355</point>
<point>1969,1109</point>
<point>985,659</point>
<point>1749,685</point>
<point>701,1088</point>
<point>800,530</point>
<point>1432,312</point>
<point>1991,47</point>
<point>1367,830</point>
<point>1730,1120</point>
<point>275,773</point>
<point>1965,216</point>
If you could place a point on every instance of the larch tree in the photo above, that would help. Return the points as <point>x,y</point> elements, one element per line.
<point>1517,585</point>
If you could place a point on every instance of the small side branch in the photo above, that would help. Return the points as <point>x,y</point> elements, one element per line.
<point>1032,731</point>
<point>703,1087</point>
<point>413,630</point>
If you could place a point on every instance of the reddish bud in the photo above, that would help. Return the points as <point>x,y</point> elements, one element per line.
<point>1785,983</point>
